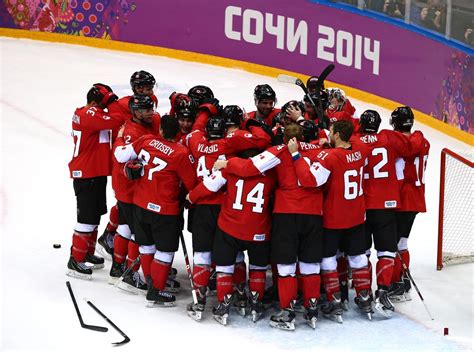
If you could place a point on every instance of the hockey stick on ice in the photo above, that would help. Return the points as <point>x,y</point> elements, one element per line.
<point>126,272</point>
<point>414,284</point>
<point>126,338</point>
<point>188,268</point>
<point>85,326</point>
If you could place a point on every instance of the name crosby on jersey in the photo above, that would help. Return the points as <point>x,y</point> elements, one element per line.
<point>353,157</point>
<point>161,147</point>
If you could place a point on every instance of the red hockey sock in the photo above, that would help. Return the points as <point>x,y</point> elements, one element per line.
<point>159,273</point>
<point>201,274</point>
<point>397,270</point>
<point>133,254</point>
<point>361,279</point>
<point>406,258</point>
<point>257,282</point>
<point>120,248</point>
<point>113,219</point>
<point>225,285</point>
<point>287,290</point>
<point>311,287</point>
<point>342,269</point>
<point>384,272</point>
<point>146,260</point>
<point>331,283</point>
<point>91,242</point>
<point>240,273</point>
<point>80,245</point>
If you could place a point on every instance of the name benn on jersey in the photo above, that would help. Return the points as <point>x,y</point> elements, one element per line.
<point>369,138</point>
<point>353,157</point>
<point>161,147</point>
<point>208,149</point>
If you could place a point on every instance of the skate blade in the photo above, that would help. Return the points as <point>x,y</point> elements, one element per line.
<point>154,304</point>
<point>345,305</point>
<point>75,274</point>
<point>334,317</point>
<point>369,316</point>
<point>130,289</point>
<point>221,319</point>
<point>312,322</point>
<point>283,326</point>
<point>399,299</point>
<point>197,316</point>
<point>103,253</point>
<point>387,313</point>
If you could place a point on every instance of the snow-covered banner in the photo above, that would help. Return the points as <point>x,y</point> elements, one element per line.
<point>298,35</point>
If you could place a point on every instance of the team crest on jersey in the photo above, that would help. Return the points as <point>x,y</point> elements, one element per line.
<point>76,119</point>
<point>391,204</point>
<point>153,207</point>
<point>77,174</point>
<point>259,237</point>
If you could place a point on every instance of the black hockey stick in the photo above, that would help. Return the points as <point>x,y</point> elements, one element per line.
<point>188,268</point>
<point>126,272</point>
<point>126,338</point>
<point>414,284</point>
<point>85,326</point>
<point>318,108</point>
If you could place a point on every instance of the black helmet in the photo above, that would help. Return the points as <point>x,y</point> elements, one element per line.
<point>215,127</point>
<point>314,96</point>
<point>199,93</point>
<point>233,115</point>
<point>100,93</point>
<point>262,92</point>
<point>142,79</point>
<point>295,104</point>
<point>370,121</point>
<point>140,102</point>
<point>310,130</point>
<point>312,83</point>
<point>402,119</point>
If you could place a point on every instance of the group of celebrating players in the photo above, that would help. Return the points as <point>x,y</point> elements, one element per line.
<point>304,189</point>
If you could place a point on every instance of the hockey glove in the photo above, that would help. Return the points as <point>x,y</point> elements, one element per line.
<point>212,105</point>
<point>133,169</point>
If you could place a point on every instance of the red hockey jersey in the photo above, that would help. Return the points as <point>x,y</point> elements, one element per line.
<point>92,134</point>
<point>341,171</point>
<point>245,213</point>
<point>166,166</point>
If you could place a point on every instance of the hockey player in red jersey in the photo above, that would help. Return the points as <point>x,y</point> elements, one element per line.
<point>265,99</point>
<point>143,121</point>
<point>382,198</point>
<point>90,165</point>
<point>206,150</point>
<point>243,224</point>
<point>183,108</point>
<point>341,171</point>
<point>296,226</point>
<point>142,83</point>
<point>412,192</point>
<point>167,165</point>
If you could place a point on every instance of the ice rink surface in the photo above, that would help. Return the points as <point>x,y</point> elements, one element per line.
<point>42,84</point>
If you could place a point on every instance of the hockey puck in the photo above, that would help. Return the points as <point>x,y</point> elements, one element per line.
<point>56,245</point>
<point>446,331</point>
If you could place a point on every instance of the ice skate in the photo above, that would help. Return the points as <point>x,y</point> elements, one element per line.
<point>344,295</point>
<point>256,306</point>
<point>311,313</point>
<point>172,286</point>
<point>133,283</point>
<point>157,298</point>
<point>116,271</point>
<point>333,309</point>
<point>221,311</point>
<point>78,270</point>
<point>96,261</point>
<point>172,273</point>
<point>106,244</point>
<point>364,302</point>
<point>195,310</point>
<point>383,305</point>
<point>285,320</point>
<point>240,300</point>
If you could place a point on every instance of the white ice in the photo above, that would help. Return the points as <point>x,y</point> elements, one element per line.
<point>42,84</point>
